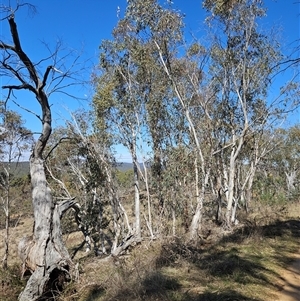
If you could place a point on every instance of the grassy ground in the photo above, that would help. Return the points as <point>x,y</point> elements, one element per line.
<point>245,264</point>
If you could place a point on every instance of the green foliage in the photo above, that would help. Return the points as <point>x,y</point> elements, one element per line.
<point>132,99</point>
<point>146,88</point>
<point>15,138</point>
<point>280,181</point>
<point>228,10</point>
<point>125,178</point>
<point>195,49</point>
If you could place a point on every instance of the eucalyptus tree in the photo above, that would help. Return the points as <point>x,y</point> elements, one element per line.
<point>15,140</point>
<point>291,158</point>
<point>132,95</point>
<point>243,63</point>
<point>284,160</point>
<point>258,148</point>
<point>193,94</point>
<point>44,253</point>
<point>159,32</point>
<point>119,105</point>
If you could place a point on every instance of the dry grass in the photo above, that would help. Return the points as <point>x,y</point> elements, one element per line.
<point>10,282</point>
<point>243,265</point>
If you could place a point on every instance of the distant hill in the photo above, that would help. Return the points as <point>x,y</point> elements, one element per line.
<point>22,168</point>
<point>18,168</point>
<point>123,166</point>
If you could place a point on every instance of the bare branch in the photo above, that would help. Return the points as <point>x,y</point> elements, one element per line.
<point>19,87</point>
<point>10,11</point>
<point>18,49</point>
<point>45,77</point>
<point>56,145</point>
<point>6,46</point>
<point>25,109</point>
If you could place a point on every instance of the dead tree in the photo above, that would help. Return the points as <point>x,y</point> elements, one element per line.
<point>45,254</point>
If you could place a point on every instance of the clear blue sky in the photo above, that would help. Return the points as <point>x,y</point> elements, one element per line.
<point>84,23</point>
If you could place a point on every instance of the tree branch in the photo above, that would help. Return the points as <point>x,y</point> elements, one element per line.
<point>55,146</point>
<point>18,49</point>
<point>45,77</point>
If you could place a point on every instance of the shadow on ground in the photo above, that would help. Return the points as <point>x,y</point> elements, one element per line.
<point>224,296</point>
<point>224,261</point>
<point>217,271</point>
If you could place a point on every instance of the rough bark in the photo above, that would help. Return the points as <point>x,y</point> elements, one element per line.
<point>45,254</point>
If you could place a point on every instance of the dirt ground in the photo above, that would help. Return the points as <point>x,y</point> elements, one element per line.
<point>291,282</point>
<point>289,278</point>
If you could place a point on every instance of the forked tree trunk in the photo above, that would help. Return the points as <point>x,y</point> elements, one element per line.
<point>196,221</point>
<point>46,254</point>
<point>235,151</point>
<point>290,180</point>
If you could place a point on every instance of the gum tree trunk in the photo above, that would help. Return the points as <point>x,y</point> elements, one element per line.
<point>44,254</point>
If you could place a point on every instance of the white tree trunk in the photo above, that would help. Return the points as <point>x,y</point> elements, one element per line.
<point>136,200</point>
<point>196,221</point>
<point>290,180</point>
